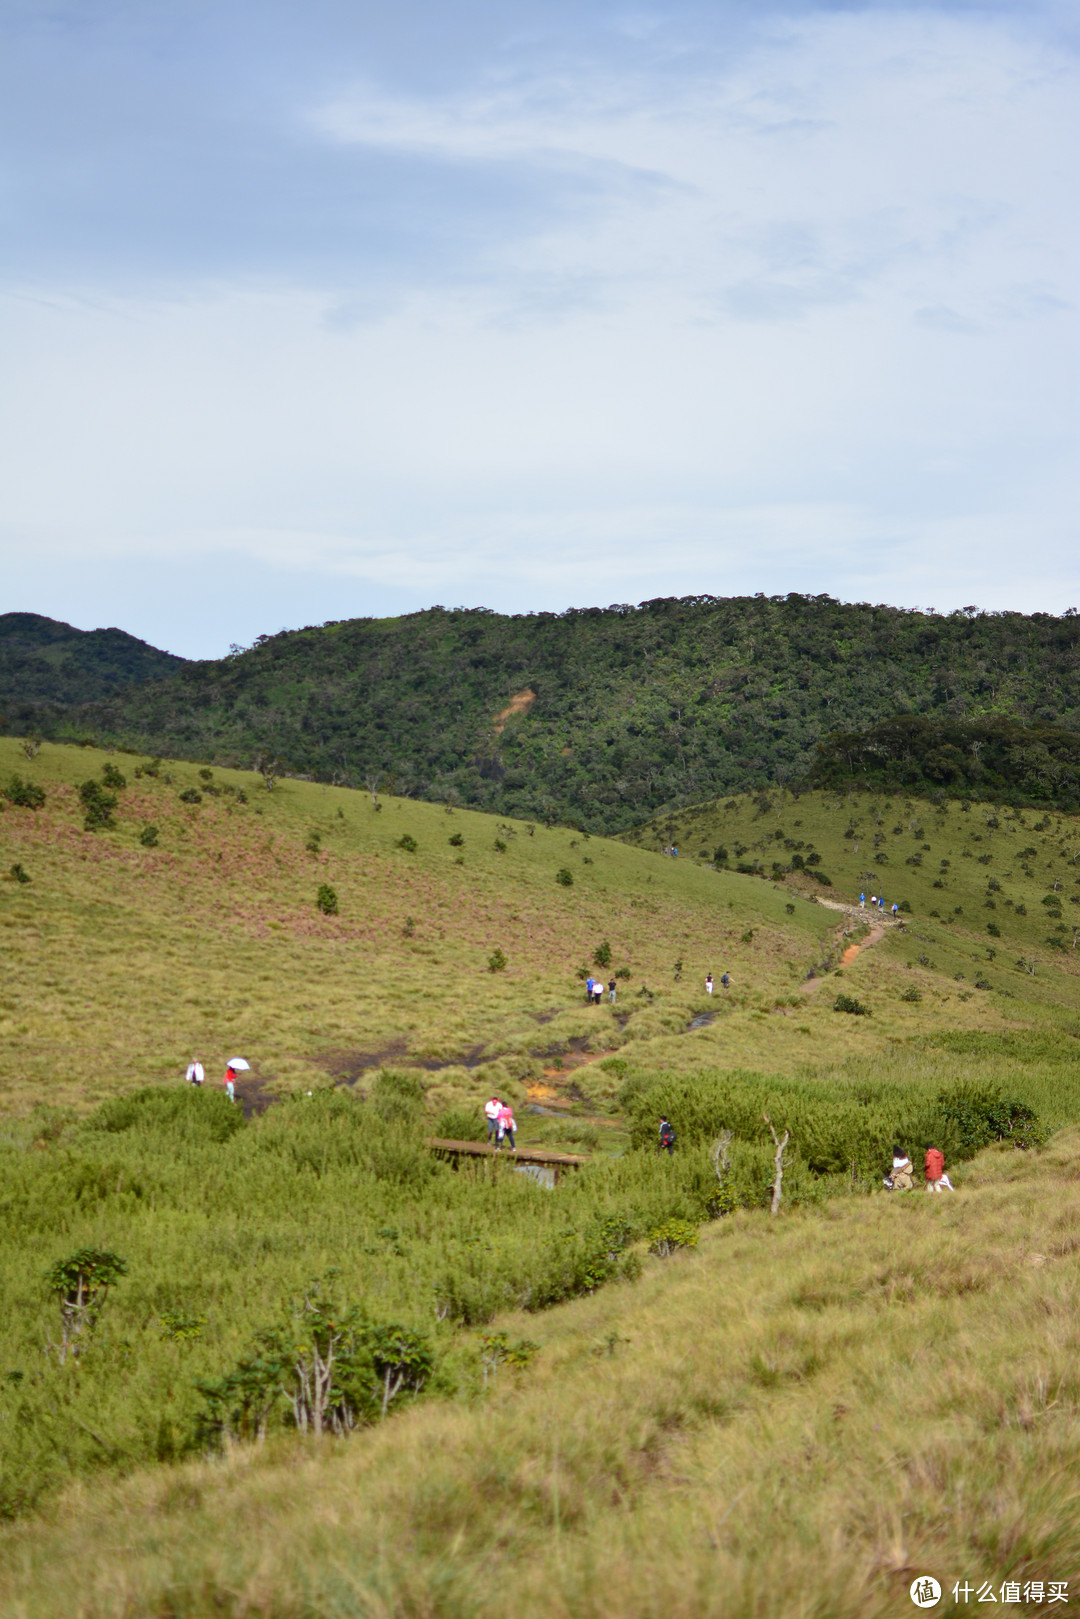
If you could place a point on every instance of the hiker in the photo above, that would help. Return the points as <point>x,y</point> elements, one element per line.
<point>229,1083</point>
<point>492,1108</point>
<point>611,992</point>
<point>936,1177</point>
<point>598,991</point>
<point>895,909</point>
<point>708,983</point>
<point>873,901</point>
<point>726,980</point>
<point>196,1073</point>
<point>507,1126</point>
<point>667,1137</point>
<point>589,989</point>
<point>862,902</point>
<point>902,1170</point>
<point>881,904</point>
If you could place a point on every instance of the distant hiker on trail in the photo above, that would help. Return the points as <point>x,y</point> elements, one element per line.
<point>881,904</point>
<point>936,1177</point>
<point>589,982</point>
<point>229,1083</point>
<point>507,1126</point>
<point>196,1073</point>
<point>611,992</point>
<point>492,1109</point>
<point>708,983</point>
<point>873,901</point>
<point>725,979</point>
<point>667,1136</point>
<point>902,1170</point>
<point>895,908</point>
<point>862,902</point>
<point>598,990</point>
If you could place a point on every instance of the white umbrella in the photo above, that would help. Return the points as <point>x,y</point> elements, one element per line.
<point>238,1063</point>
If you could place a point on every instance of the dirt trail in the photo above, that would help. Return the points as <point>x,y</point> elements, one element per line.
<point>877,932</point>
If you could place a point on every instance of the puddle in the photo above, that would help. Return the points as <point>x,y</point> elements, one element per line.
<point>702,1020</point>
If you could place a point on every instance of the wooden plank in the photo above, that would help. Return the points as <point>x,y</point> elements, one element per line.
<point>523,1155</point>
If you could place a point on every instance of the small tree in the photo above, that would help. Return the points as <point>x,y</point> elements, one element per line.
<point>496,962</point>
<point>113,777</point>
<point>269,769</point>
<point>99,806</point>
<point>24,794</point>
<point>19,874</point>
<point>148,837</point>
<point>326,900</point>
<point>31,745</point>
<point>565,877</point>
<point>82,1283</point>
<point>497,1350</point>
<point>408,843</point>
<point>602,954</point>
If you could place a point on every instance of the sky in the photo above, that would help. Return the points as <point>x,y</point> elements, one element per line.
<point>333,308</point>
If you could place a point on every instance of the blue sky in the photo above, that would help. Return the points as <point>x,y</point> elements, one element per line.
<point>329,308</point>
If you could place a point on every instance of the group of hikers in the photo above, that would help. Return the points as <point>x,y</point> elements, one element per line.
<point>196,1075</point>
<point>501,1125</point>
<point>902,1176</point>
<point>878,904</point>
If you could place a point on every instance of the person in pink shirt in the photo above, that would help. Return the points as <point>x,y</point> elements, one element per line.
<point>507,1125</point>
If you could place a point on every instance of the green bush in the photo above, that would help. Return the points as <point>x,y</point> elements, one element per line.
<point>602,954</point>
<point>19,874</point>
<point>148,837</point>
<point>848,1003</point>
<point>24,794</point>
<point>191,795</point>
<point>673,1234</point>
<point>565,876</point>
<point>113,777</point>
<point>99,806</point>
<point>461,1124</point>
<point>455,840</point>
<point>408,843</point>
<point>326,900</point>
<point>496,962</point>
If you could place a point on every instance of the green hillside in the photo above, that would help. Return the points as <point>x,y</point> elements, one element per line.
<point>597,716</point>
<point>153,911</point>
<point>47,666</point>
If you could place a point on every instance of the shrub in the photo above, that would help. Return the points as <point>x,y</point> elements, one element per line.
<point>911,994</point>
<point>455,840</point>
<point>206,775</point>
<point>314,842</point>
<point>671,1235</point>
<point>99,806</point>
<point>848,1003</point>
<point>25,794</point>
<point>81,1282</point>
<point>983,983</point>
<point>789,908</point>
<point>112,777</point>
<point>326,900</point>
<point>622,972</point>
<point>148,837</point>
<point>496,962</point>
<point>408,843</point>
<point>993,930</point>
<point>461,1124</point>
<point>565,876</point>
<point>496,1349</point>
<point>191,795</point>
<point>19,874</point>
<point>602,954</point>
<point>980,1114</point>
<point>499,845</point>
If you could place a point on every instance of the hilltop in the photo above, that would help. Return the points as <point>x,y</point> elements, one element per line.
<point>596,716</point>
<point>47,666</point>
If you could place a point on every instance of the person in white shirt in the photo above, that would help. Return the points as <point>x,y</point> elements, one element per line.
<point>492,1109</point>
<point>708,983</point>
<point>196,1073</point>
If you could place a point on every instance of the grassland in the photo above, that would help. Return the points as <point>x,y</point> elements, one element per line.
<point>798,1419</point>
<point>885,1383</point>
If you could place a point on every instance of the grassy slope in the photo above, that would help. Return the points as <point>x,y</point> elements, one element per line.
<point>797,1419</point>
<point>721,1410</point>
<point>122,959</point>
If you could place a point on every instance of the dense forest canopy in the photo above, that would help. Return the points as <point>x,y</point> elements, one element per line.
<point>43,661</point>
<point>993,758</point>
<point>619,710</point>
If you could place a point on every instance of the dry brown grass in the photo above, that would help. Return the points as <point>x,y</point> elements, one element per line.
<point>794,1420</point>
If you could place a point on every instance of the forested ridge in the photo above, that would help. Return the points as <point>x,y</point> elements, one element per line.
<point>632,707</point>
<point>47,664</point>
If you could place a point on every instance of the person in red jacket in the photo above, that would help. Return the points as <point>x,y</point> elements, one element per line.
<point>935,1170</point>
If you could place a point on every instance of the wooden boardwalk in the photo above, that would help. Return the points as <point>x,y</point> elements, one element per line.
<point>537,1160</point>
